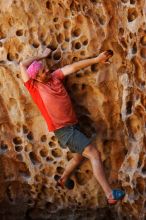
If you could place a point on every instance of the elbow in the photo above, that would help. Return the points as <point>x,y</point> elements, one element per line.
<point>21,64</point>
<point>75,69</point>
<point>72,69</point>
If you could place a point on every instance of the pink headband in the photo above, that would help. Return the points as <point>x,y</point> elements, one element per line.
<point>34,68</point>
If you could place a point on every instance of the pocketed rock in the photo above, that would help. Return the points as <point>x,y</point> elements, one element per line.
<point>110,102</point>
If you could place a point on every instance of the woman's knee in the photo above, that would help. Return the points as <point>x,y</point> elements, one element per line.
<point>91,152</point>
<point>78,158</point>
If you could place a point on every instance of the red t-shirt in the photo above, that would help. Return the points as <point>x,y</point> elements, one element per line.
<point>53,101</point>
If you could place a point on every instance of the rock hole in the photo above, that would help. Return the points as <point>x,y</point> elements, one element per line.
<point>102,20</point>
<point>61,5</point>
<point>2,35</point>
<point>89,174</point>
<point>121,31</point>
<point>36,45</point>
<point>48,171</point>
<point>28,147</point>
<point>140,30</point>
<point>67,13</point>
<point>69,155</point>
<point>84,196</point>
<point>53,46</point>
<point>85,8</point>
<point>83,53</point>
<point>67,38</point>
<point>57,55</point>
<point>132,14</point>
<point>76,32</point>
<point>1,44</point>
<point>10,193</point>
<point>124,42</point>
<point>129,107</point>
<point>127,178</point>
<point>19,157</point>
<point>57,152</point>
<point>44,138</point>
<point>95,1</point>
<point>25,129</point>
<point>60,38</point>
<point>75,59</point>
<point>78,75</point>
<point>49,159</point>
<point>131,35</point>
<point>64,46</point>
<point>19,32</point>
<point>124,1</point>
<point>16,56</point>
<point>60,170</point>
<point>30,202</point>
<point>85,42</point>
<point>34,158</point>
<point>4,146</point>
<point>67,24</point>
<point>143,53</point>
<point>44,152</point>
<point>30,136</point>
<point>87,72</point>
<point>140,185</point>
<point>141,158</point>
<point>134,48</point>
<point>77,45</point>
<point>132,2</point>
<point>10,57</point>
<point>52,144</point>
<point>57,26</point>
<point>53,138</point>
<point>18,148</point>
<point>48,5</point>
<point>94,67</point>
<point>144,167</point>
<point>50,205</point>
<point>55,19</point>
<point>56,177</point>
<point>25,173</point>
<point>83,86</point>
<point>143,40</point>
<point>17,140</point>
<point>38,178</point>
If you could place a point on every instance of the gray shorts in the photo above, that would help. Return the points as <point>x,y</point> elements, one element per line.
<point>73,138</point>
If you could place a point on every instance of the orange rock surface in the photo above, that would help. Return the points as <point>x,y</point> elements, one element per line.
<point>110,101</point>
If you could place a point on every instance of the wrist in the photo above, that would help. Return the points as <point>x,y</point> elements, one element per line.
<point>39,57</point>
<point>97,60</point>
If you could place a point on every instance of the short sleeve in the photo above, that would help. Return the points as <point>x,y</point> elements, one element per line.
<point>29,84</point>
<point>58,74</point>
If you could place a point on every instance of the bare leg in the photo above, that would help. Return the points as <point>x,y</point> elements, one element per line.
<point>93,155</point>
<point>72,164</point>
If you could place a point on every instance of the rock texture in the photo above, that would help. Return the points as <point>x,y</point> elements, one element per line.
<point>110,102</point>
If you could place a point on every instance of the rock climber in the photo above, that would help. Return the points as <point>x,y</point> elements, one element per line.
<point>49,94</point>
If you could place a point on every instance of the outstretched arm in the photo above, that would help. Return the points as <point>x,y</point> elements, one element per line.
<point>24,64</point>
<point>101,58</point>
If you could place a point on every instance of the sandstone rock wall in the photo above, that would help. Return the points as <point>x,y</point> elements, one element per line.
<point>110,102</point>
